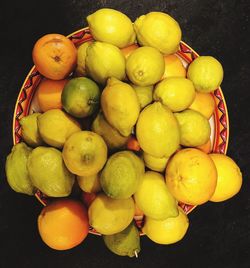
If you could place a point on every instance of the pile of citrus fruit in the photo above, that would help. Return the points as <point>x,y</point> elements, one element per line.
<point>123,132</point>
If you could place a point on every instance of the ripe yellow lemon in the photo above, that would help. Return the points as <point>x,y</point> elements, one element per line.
<point>168,231</point>
<point>155,163</point>
<point>191,176</point>
<point>159,30</point>
<point>145,66</point>
<point>203,103</point>
<point>111,26</point>
<point>229,178</point>
<point>206,73</point>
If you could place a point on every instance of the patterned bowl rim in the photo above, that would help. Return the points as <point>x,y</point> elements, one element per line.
<point>221,119</point>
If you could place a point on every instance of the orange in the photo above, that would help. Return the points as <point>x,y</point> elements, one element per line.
<point>206,147</point>
<point>63,224</point>
<point>126,51</point>
<point>54,56</point>
<point>173,67</point>
<point>203,103</point>
<point>49,94</point>
<point>229,178</point>
<point>191,176</point>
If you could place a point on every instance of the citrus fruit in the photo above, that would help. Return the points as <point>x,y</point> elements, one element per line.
<point>157,130</point>
<point>206,73</point>
<point>168,231</point>
<point>111,136</point>
<point>126,51</point>
<point>54,56</point>
<point>63,224</point>
<point>80,97</point>
<point>121,114</point>
<point>175,92</point>
<point>194,128</point>
<point>109,216</point>
<point>90,184</point>
<point>84,153</point>
<point>173,67</point>
<point>122,174</point>
<point>154,198</point>
<point>81,57</point>
<point>158,30</point>
<point>145,66</point>
<point>16,169</point>
<point>55,126</point>
<point>206,147</point>
<point>191,176</point>
<point>30,133</point>
<point>203,103</point>
<point>155,163</point>
<point>144,94</point>
<point>104,60</point>
<point>111,26</point>
<point>49,94</point>
<point>229,178</point>
<point>48,172</point>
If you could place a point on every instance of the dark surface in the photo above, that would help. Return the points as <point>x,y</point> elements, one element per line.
<point>219,233</point>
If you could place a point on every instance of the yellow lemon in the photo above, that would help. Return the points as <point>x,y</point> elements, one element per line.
<point>155,163</point>
<point>154,198</point>
<point>111,26</point>
<point>145,66</point>
<point>109,216</point>
<point>173,67</point>
<point>90,184</point>
<point>168,231</point>
<point>104,60</point>
<point>194,128</point>
<point>203,103</point>
<point>176,92</point>
<point>229,178</point>
<point>157,130</point>
<point>81,56</point>
<point>206,73</point>
<point>191,176</point>
<point>144,94</point>
<point>85,153</point>
<point>159,30</point>
<point>120,106</point>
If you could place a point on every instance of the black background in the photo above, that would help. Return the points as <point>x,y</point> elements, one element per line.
<point>219,233</point>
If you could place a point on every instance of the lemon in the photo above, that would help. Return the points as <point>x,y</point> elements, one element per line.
<point>154,198</point>
<point>194,128</point>
<point>159,30</point>
<point>109,216</point>
<point>111,26</point>
<point>173,67</point>
<point>206,73</point>
<point>203,103</point>
<point>155,163</point>
<point>111,136</point>
<point>229,178</point>
<point>157,130</point>
<point>81,56</point>
<point>89,184</point>
<point>144,94</point>
<point>16,169</point>
<point>122,174</point>
<point>167,231</point>
<point>48,172</point>
<point>55,126</point>
<point>120,106</point>
<point>85,153</point>
<point>191,176</point>
<point>29,128</point>
<point>104,60</point>
<point>145,66</point>
<point>176,92</point>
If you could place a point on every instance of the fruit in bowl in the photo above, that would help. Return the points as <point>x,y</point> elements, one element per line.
<point>125,128</point>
